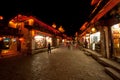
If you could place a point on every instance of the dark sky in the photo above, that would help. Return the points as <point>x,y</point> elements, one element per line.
<point>70,14</point>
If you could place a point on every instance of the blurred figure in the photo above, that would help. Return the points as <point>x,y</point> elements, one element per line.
<point>49,48</point>
<point>76,45</point>
<point>86,44</point>
<point>68,45</point>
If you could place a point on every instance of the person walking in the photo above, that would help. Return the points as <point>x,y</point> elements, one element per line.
<point>86,44</point>
<point>49,48</point>
<point>69,45</point>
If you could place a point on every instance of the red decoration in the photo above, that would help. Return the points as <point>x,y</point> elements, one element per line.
<point>94,2</point>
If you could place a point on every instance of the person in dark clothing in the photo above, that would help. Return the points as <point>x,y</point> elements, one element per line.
<point>86,44</point>
<point>49,48</point>
<point>68,45</point>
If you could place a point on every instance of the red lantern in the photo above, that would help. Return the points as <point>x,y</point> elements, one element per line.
<point>1,17</point>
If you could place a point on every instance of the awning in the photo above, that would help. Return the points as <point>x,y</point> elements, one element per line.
<point>84,26</point>
<point>45,25</point>
<point>105,9</point>
<point>22,18</point>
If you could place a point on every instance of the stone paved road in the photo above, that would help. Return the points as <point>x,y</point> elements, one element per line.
<point>62,64</point>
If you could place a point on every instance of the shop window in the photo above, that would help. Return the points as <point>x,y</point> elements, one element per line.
<point>116,39</point>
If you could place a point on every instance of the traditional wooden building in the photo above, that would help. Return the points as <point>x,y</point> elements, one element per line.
<point>102,30</point>
<point>29,34</point>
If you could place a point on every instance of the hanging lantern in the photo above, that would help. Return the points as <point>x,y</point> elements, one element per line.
<point>61,29</point>
<point>1,17</point>
<point>54,25</point>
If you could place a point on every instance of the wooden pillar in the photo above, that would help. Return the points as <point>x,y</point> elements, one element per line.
<point>107,40</point>
<point>102,38</point>
<point>54,41</point>
<point>29,43</point>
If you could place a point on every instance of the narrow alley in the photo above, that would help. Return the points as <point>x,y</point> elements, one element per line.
<point>61,64</point>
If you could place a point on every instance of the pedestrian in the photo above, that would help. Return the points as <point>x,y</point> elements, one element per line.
<point>49,48</point>
<point>69,45</point>
<point>86,44</point>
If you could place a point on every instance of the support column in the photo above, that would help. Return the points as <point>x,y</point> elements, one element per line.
<point>102,38</point>
<point>54,41</point>
<point>107,42</point>
<point>29,43</point>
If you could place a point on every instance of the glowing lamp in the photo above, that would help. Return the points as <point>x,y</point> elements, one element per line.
<point>1,17</point>
<point>93,29</point>
<point>1,38</point>
<point>54,26</point>
<point>21,39</point>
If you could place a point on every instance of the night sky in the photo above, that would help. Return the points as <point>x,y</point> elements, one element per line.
<point>70,14</point>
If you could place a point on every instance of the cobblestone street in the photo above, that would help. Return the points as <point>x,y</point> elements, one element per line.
<point>61,64</point>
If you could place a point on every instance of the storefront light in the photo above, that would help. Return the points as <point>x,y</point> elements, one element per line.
<point>4,37</point>
<point>116,26</point>
<point>13,39</point>
<point>63,40</point>
<point>38,37</point>
<point>49,39</point>
<point>21,39</point>
<point>95,37</point>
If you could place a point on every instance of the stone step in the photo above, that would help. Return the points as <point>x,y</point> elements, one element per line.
<point>87,53</point>
<point>110,63</point>
<point>117,58</point>
<point>113,73</point>
<point>94,54</point>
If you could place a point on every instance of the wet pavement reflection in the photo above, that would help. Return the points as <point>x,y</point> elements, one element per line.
<point>61,64</point>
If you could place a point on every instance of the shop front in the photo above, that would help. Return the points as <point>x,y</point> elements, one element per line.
<point>9,45</point>
<point>115,29</point>
<point>48,39</point>
<point>41,40</point>
<point>95,41</point>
